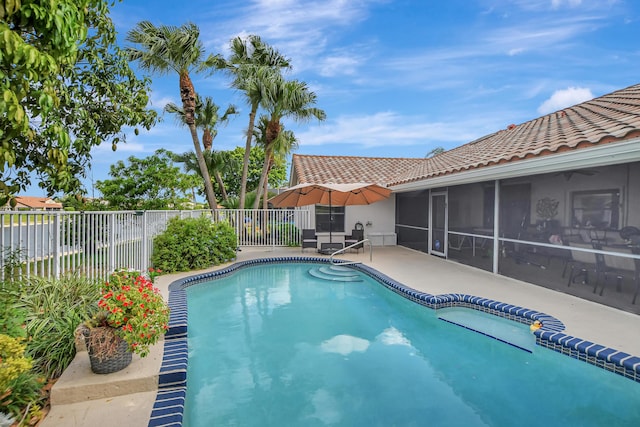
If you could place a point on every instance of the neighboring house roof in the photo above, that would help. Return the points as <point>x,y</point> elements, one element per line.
<point>608,119</point>
<point>36,203</point>
<point>348,169</point>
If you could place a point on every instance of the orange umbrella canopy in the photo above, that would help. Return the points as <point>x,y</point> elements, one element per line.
<point>330,194</point>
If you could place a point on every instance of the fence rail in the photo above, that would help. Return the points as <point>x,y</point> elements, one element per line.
<point>50,244</point>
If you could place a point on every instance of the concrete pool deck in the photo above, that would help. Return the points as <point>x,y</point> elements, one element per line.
<point>81,398</point>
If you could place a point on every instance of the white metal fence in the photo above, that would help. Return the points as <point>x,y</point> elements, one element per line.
<point>94,244</point>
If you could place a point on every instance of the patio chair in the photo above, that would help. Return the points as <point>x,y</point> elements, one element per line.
<point>580,263</point>
<point>603,270</point>
<point>309,239</point>
<point>356,236</point>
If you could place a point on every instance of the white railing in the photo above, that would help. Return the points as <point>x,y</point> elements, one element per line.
<point>273,227</point>
<point>93,244</point>
<point>343,250</point>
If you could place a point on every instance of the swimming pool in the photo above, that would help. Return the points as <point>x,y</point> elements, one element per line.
<point>302,351</point>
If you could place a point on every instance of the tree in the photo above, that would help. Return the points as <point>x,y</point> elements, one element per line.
<point>435,152</point>
<point>207,118</point>
<point>284,98</point>
<point>254,65</point>
<point>233,178</point>
<point>150,183</point>
<point>167,48</point>
<point>65,88</point>
<point>274,154</point>
<point>218,162</point>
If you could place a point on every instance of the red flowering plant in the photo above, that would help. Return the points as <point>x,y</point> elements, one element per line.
<point>134,308</point>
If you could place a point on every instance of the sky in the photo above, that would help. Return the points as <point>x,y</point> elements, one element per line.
<point>398,78</point>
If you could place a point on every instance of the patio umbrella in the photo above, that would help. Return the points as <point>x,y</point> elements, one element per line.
<point>330,194</point>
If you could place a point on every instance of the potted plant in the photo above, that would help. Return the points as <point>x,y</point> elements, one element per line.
<point>132,316</point>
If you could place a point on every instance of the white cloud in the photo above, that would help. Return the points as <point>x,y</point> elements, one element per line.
<point>387,129</point>
<point>299,29</point>
<point>336,65</point>
<point>565,98</point>
<point>556,4</point>
<point>158,102</point>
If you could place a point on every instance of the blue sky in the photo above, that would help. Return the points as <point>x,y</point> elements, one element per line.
<point>399,78</point>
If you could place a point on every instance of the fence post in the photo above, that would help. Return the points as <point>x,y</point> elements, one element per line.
<point>145,243</point>
<point>58,252</point>
<point>112,243</point>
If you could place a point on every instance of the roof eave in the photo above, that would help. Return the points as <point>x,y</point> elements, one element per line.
<point>601,155</point>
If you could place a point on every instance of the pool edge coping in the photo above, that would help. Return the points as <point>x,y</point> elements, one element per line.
<point>168,408</point>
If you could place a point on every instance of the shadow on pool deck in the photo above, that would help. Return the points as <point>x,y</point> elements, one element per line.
<point>81,398</point>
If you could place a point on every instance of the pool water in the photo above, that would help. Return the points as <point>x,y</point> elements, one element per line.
<point>509,332</point>
<point>270,345</point>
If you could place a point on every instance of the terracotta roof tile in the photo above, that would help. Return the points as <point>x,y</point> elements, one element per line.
<point>608,119</point>
<point>348,169</point>
<point>37,202</point>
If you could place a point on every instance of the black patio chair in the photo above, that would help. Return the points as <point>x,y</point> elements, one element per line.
<point>580,263</point>
<point>603,270</point>
<point>309,239</point>
<point>356,236</point>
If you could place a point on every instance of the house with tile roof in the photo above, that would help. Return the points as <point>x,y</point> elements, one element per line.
<point>36,204</point>
<point>563,188</point>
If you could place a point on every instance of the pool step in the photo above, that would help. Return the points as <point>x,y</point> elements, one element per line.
<point>335,273</point>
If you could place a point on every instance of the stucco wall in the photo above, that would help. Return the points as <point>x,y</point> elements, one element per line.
<point>380,215</point>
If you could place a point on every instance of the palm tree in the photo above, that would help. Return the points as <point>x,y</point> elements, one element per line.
<point>435,152</point>
<point>164,49</point>
<point>285,98</point>
<point>218,163</point>
<point>278,150</point>
<point>207,118</point>
<point>221,163</point>
<point>254,65</point>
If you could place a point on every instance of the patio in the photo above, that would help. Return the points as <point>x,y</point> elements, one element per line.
<point>130,402</point>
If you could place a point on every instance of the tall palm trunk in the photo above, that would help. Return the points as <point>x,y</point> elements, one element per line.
<point>207,139</point>
<point>273,131</point>
<point>247,153</point>
<point>265,203</point>
<point>220,182</point>
<point>188,96</point>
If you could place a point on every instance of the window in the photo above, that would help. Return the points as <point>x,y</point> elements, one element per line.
<point>329,221</point>
<point>599,209</point>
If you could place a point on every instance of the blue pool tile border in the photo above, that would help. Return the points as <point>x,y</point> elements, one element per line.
<point>168,408</point>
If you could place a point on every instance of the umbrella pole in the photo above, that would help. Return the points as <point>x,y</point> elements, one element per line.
<point>330,219</point>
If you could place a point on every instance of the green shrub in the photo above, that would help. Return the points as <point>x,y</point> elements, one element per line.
<point>12,360</point>
<point>19,386</point>
<point>54,308</point>
<point>193,244</point>
<point>24,398</point>
<point>12,317</point>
